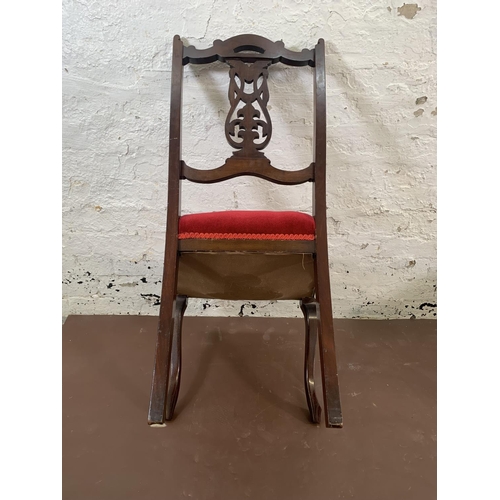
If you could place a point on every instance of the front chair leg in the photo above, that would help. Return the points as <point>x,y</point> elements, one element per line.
<point>311,316</point>
<point>175,357</point>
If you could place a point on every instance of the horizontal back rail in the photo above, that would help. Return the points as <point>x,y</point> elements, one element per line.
<point>248,48</point>
<point>257,167</point>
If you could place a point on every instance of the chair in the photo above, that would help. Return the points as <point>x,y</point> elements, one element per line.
<point>247,255</point>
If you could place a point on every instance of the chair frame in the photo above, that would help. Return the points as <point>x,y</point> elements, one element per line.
<point>254,52</point>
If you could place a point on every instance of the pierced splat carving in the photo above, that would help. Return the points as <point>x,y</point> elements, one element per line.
<point>250,123</point>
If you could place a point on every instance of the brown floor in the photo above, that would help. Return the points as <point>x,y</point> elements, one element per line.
<point>242,428</point>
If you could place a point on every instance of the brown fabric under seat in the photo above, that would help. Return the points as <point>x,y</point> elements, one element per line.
<point>246,276</point>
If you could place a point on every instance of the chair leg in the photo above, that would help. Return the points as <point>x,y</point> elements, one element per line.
<point>331,392</point>
<point>311,316</point>
<point>156,414</point>
<point>175,357</point>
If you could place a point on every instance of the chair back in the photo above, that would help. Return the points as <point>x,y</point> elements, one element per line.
<point>248,126</point>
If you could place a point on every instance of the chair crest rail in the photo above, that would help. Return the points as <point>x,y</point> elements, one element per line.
<point>248,48</point>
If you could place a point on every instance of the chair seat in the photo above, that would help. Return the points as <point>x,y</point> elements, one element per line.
<point>247,225</point>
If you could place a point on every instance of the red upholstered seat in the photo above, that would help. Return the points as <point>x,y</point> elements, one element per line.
<point>247,225</point>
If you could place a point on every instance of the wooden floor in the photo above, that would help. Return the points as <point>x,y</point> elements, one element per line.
<point>241,428</point>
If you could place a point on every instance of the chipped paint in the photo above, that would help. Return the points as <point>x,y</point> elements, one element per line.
<point>409,10</point>
<point>381,158</point>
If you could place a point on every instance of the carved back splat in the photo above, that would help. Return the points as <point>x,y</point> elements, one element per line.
<point>251,118</point>
<point>248,127</point>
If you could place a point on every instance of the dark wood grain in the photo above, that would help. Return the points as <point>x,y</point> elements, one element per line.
<point>311,315</point>
<point>248,119</point>
<point>248,126</point>
<point>156,414</point>
<point>248,48</point>
<point>333,413</point>
<point>257,167</point>
<point>174,380</point>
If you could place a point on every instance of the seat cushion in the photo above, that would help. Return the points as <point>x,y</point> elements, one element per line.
<point>247,225</point>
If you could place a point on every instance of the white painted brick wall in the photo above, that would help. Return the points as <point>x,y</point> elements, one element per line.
<point>381,95</point>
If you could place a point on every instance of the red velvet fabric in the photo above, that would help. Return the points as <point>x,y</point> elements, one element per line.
<point>247,224</point>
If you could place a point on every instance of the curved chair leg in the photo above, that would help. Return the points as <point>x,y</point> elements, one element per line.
<point>175,357</point>
<point>311,315</point>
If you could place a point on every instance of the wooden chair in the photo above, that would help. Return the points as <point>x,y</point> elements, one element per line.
<point>247,255</point>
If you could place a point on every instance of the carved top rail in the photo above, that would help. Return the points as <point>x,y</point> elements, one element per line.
<point>248,48</point>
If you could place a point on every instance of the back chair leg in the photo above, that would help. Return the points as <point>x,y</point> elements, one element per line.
<point>156,414</point>
<point>175,357</point>
<point>331,392</point>
<point>311,316</point>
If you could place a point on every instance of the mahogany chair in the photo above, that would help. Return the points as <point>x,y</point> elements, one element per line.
<point>247,255</point>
